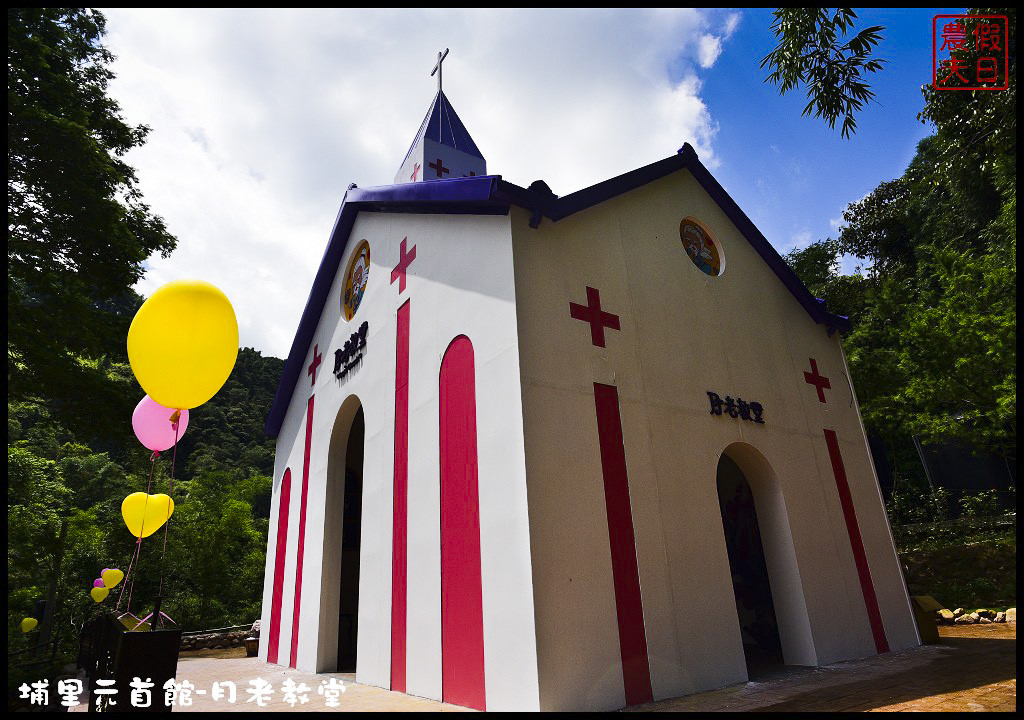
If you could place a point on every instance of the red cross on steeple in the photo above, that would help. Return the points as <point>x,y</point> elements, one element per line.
<point>593,314</point>
<point>314,365</point>
<point>415,171</point>
<point>818,381</point>
<point>438,167</point>
<point>405,259</point>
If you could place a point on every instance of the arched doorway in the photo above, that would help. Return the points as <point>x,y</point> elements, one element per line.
<point>755,607</point>
<point>770,606</point>
<point>339,594</point>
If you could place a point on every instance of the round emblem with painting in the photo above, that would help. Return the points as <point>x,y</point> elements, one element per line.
<point>703,251</point>
<point>356,277</point>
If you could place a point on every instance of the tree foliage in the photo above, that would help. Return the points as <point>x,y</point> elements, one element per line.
<point>213,567</point>
<point>809,54</point>
<point>77,229</point>
<point>78,233</point>
<point>933,350</point>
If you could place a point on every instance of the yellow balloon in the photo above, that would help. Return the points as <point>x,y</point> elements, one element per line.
<point>183,343</point>
<point>113,576</point>
<point>145,514</point>
<point>29,624</point>
<point>99,594</point>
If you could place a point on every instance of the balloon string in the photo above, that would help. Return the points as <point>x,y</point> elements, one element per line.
<point>138,543</point>
<point>128,607</point>
<point>131,564</point>
<point>167,523</point>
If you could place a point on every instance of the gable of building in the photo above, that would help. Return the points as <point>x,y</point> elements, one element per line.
<point>492,195</point>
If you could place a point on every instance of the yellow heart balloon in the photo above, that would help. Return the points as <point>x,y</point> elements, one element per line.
<point>183,343</point>
<point>112,577</point>
<point>29,624</point>
<point>99,594</point>
<point>144,514</point>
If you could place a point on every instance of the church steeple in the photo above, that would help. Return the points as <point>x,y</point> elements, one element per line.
<point>442,147</point>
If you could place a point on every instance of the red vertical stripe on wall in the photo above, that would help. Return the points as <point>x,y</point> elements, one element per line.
<point>280,552</point>
<point>867,587</point>
<point>462,612</point>
<point>399,529</point>
<point>636,672</point>
<point>302,534</point>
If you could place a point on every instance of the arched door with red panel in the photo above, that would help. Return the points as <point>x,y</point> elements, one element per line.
<point>462,621</point>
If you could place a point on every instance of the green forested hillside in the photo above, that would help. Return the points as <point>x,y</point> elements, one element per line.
<point>64,513</point>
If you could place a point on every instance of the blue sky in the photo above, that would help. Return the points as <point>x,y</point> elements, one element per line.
<point>260,118</point>
<point>793,175</point>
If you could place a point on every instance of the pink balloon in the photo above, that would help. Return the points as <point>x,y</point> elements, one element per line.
<point>153,427</point>
<point>98,582</point>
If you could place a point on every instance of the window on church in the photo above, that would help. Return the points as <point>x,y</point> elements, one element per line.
<point>703,251</point>
<point>355,280</point>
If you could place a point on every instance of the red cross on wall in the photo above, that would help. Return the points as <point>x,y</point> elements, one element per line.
<point>415,170</point>
<point>593,314</point>
<point>438,167</point>
<point>311,370</point>
<point>818,381</point>
<point>405,259</point>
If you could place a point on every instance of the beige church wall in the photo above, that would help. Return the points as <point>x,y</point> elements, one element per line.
<point>684,333</point>
<point>460,283</point>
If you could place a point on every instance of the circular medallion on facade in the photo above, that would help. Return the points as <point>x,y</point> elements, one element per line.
<point>355,280</point>
<point>703,251</point>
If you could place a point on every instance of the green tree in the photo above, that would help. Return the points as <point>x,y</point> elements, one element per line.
<point>77,229</point>
<point>809,53</point>
<point>933,349</point>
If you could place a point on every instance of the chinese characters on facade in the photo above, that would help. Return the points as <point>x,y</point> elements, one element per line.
<point>737,407</point>
<point>346,358</point>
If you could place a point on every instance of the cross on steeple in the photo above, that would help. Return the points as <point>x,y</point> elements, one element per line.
<point>438,167</point>
<point>437,68</point>
<point>442,148</point>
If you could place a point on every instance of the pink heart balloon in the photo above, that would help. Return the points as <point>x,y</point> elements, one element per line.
<point>154,427</point>
<point>98,582</point>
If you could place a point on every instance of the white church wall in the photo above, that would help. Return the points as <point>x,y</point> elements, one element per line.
<point>288,456</point>
<point>683,333</point>
<point>459,283</point>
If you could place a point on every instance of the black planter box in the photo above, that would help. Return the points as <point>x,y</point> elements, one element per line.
<point>109,652</point>
<point>151,656</point>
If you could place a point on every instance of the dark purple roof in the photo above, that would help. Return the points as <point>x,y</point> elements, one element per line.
<point>442,124</point>
<point>490,195</point>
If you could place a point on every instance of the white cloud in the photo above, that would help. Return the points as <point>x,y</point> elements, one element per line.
<point>798,241</point>
<point>261,118</point>
<point>709,48</point>
<point>731,23</point>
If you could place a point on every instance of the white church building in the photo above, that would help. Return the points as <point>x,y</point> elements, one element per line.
<point>567,453</point>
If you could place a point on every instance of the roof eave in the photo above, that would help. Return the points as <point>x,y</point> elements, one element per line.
<point>489,194</point>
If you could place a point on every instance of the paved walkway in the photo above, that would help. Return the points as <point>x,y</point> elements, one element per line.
<point>973,668</point>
